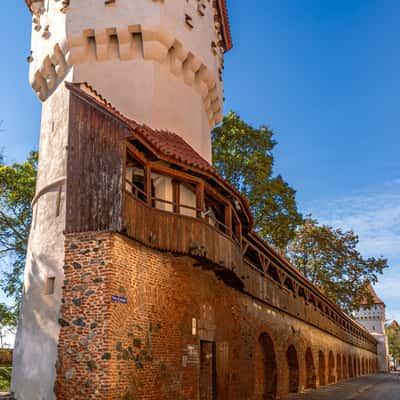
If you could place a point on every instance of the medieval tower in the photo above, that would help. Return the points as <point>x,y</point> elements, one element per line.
<point>159,62</point>
<point>373,319</point>
<point>145,278</point>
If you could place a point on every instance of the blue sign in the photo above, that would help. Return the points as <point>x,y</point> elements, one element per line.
<point>119,299</point>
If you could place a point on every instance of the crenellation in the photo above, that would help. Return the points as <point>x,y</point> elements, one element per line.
<point>127,44</point>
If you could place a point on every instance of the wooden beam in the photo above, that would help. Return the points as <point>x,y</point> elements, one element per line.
<point>148,185</point>
<point>136,153</point>
<point>245,246</point>
<point>238,232</point>
<point>216,194</point>
<point>173,173</point>
<point>228,218</point>
<point>200,203</point>
<point>261,258</point>
<point>176,196</point>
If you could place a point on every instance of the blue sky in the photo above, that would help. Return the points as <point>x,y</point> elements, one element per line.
<point>322,74</point>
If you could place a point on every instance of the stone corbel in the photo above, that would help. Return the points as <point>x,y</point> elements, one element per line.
<point>79,49</point>
<point>156,43</point>
<point>178,55</point>
<point>129,44</point>
<point>190,68</point>
<point>37,7</point>
<point>218,116</point>
<point>205,81</point>
<point>59,62</point>
<point>102,45</point>
<point>39,85</point>
<point>49,73</point>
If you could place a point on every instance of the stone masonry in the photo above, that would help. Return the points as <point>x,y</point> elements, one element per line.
<point>133,318</point>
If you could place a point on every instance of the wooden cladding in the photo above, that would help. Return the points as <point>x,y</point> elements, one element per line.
<point>95,163</point>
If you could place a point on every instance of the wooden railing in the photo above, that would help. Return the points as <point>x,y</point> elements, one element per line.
<point>215,246</point>
<point>178,233</point>
<point>176,208</point>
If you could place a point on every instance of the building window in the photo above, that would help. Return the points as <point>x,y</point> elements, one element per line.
<point>50,285</point>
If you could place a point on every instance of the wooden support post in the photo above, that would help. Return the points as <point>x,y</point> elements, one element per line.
<point>200,203</point>
<point>238,233</point>
<point>147,185</point>
<point>176,196</point>
<point>228,218</point>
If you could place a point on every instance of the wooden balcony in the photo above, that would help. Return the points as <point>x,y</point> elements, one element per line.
<point>183,235</point>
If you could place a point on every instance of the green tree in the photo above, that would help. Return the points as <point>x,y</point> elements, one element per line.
<point>393,334</point>
<point>243,156</point>
<point>17,188</point>
<point>329,258</point>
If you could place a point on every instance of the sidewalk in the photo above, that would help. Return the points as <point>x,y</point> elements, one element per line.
<point>379,387</point>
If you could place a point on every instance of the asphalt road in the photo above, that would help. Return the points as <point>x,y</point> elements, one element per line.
<point>373,387</point>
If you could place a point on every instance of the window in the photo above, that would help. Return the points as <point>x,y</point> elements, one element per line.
<point>50,285</point>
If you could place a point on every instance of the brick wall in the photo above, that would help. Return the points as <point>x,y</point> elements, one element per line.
<point>133,320</point>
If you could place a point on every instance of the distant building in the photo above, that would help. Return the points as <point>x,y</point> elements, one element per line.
<point>373,319</point>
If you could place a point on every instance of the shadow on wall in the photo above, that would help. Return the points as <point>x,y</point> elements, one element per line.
<point>35,351</point>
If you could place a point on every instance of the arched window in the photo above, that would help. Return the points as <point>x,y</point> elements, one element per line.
<point>321,369</point>
<point>311,374</point>
<point>265,369</point>
<point>293,368</point>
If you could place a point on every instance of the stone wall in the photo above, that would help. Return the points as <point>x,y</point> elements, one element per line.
<point>138,324</point>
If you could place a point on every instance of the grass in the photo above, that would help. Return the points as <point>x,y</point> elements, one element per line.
<point>5,378</point>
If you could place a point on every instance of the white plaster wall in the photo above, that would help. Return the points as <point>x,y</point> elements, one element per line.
<point>147,92</point>
<point>373,319</point>
<point>170,15</point>
<point>187,198</point>
<point>383,353</point>
<point>163,190</point>
<point>199,38</point>
<point>41,47</point>
<point>35,351</point>
<point>94,14</point>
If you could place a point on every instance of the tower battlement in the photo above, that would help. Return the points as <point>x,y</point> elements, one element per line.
<point>159,62</point>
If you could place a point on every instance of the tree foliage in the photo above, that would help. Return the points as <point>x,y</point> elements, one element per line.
<point>393,334</point>
<point>17,188</point>
<point>329,258</point>
<point>243,156</point>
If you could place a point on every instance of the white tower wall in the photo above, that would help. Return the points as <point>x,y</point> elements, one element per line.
<point>35,351</point>
<point>373,319</point>
<point>158,62</point>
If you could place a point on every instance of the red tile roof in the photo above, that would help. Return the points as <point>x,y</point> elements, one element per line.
<point>168,144</point>
<point>225,24</point>
<point>375,298</point>
<point>174,146</point>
